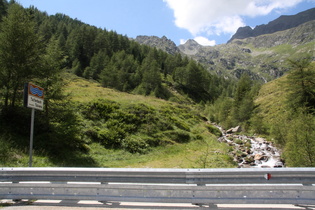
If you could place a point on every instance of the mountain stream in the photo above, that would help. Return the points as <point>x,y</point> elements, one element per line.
<point>251,152</point>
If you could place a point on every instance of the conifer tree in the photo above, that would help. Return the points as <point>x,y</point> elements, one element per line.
<point>50,78</point>
<point>19,52</point>
<point>243,100</point>
<point>300,140</point>
<point>3,8</point>
<point>301,84</point>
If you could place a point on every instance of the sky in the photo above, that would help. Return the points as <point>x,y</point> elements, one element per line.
<point>209,22</point>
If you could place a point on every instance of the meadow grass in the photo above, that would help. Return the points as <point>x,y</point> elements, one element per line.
<point>202,150</point>
<point>177,155</point>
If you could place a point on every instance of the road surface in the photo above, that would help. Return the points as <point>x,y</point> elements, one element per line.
<point>94,205</point>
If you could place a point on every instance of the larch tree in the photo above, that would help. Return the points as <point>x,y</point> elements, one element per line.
<point>50,75</point>
<point>19,52</point>
<point>301,84</point>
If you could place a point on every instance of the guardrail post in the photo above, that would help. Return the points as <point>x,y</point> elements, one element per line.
<point>17,199</point>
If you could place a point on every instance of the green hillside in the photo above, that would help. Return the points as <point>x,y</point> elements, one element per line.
<point>143,131</point>
<point>285,113</point>
<point>271,100</point>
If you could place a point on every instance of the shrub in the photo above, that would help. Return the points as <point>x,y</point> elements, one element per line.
<point>238,141</point>
<point>135,144</point>
<point>5,151</point>
<point>178,136</point>
<point>112,138</point>
<point>214,130</point>
<point>99,109</point>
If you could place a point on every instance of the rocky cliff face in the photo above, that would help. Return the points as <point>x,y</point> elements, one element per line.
<point>280,24</point>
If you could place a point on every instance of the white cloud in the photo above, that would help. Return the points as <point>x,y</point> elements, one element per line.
<point>221,16</point>
<point>182,41</point>
<point>204,41</point>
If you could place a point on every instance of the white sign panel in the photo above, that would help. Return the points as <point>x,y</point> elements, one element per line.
<point>34,102</point>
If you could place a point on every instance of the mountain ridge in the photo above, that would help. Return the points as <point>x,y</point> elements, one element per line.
<point>263,57</point>
<point>282,23</point>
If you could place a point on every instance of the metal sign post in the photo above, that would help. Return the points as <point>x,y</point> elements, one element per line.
<point>31,138</point>
<point>34,99</point>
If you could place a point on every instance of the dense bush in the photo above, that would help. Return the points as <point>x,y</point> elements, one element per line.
<point>136,144</point>
<point>135,127</point>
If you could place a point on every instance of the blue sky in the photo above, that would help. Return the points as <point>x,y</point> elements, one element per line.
<point>209,22</point>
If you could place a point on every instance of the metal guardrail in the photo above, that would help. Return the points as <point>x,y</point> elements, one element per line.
<point>207,186</point>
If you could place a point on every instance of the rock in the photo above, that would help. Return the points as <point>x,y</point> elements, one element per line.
<point>244,154</point>
<point>278,164</point>
<point>249,159</point>
<point>258,157</point>
<point>260,140</point>
<point>246,50</point>
<point>253,164</point>
<point>234,130</point>
<point>237,129</point>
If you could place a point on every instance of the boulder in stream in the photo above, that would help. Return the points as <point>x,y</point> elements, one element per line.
<point>234,130</point>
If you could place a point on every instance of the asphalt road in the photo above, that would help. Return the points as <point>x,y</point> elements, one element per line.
<point>94,205</point>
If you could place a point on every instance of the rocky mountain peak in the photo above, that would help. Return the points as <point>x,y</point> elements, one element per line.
<point>191,42</point>
<point>162,43</point>
<point>191,47</point>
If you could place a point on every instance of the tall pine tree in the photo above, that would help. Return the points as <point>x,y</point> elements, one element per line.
<point>19,52</point>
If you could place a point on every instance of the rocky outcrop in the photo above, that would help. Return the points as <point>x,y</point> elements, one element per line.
<point>163,43</point>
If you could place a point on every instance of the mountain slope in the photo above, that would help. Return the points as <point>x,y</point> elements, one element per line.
<point>263,57</point>
<point>172,135</point>
<point>280,24</point>
<point>262,53</point>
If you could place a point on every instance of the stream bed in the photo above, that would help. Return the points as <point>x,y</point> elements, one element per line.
<point>251,152</point>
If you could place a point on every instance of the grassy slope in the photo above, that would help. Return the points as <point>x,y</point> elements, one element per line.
<point>197,153</point>
<point>271,99</point>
